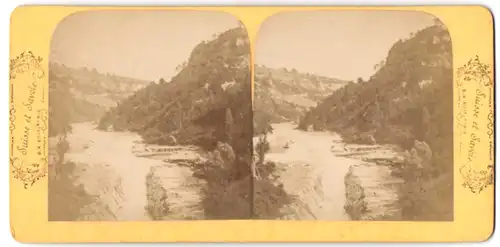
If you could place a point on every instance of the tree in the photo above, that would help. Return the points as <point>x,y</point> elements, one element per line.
<point>62,147</point>
<point>229,125</point>
<point>360,80</point>
<point>181,66</point>
<point>261,148</point>
<point>426,119</point>
<point>162,81</point>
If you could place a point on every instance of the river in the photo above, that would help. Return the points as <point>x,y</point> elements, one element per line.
<point>112,153</point>
<point>313,167</point>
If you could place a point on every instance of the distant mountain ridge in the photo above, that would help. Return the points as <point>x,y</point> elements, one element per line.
<point>286,95</point>
<point>82,94</point>
<point>85,82</point>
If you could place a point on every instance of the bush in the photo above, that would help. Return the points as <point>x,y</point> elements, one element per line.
<point>269,199</point>
<point>157,205</point>
<point>65,199</point>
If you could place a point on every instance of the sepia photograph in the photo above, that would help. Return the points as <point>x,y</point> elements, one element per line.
<point>150,117</point>
<point>251,124</point>
<point>353,116</point>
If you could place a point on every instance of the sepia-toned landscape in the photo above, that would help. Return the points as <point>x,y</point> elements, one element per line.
<point>174,144</point>
<point>353,109</point>
<point>151,117</point>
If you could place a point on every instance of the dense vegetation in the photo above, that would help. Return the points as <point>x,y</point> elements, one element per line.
<point>192,108</point>
<point>65,199</point>
<point>409,99</point>
<point>269,199</point>
<point>60,100</point>
<point>208,104</point>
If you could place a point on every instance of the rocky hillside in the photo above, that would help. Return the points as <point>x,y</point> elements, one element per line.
<point>207,104</point>
<point>209,100</point>
<point>408,101</point>
<point>83,95</point>
<point>285,95</point>
<point>411,90</point>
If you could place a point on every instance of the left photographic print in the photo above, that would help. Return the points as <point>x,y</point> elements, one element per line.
<point>150,117</point>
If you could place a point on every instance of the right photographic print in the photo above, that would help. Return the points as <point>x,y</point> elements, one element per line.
<point>353,116</point>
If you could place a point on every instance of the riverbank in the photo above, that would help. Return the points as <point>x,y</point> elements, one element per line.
<point>316,176</point>
<point>112,180</point>
<point>132,180</point>
<point>332,180</point>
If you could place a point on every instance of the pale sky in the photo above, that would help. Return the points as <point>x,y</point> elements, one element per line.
<point>341,44</point>
<point>141,44</point>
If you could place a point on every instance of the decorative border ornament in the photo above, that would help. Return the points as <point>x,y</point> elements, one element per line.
<point>470,119</point>
<point>28,158</point>
<point>24,63</point>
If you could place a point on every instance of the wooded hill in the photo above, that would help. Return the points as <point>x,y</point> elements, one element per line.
<point>209,100</point>
<point>208,104</point>
<point>409,98</point>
